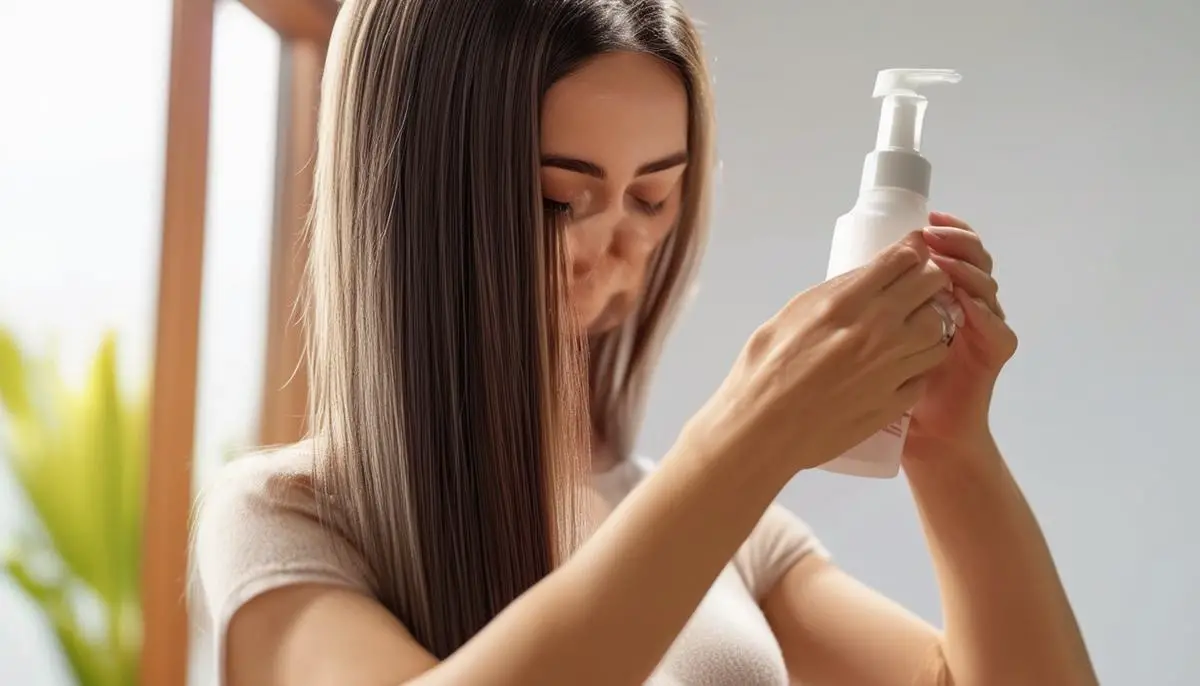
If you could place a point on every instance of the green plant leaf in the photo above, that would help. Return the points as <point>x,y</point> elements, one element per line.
<point>101,453</point>
<point>41,592</point>
<point>84,660</point>
<point>80,458</point>
<point>132,497</point>
<point>13,391</point>
<point>62,483</point>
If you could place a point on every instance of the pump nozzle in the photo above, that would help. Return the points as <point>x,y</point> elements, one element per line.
<point>903,114</point>
<point>896,161</point>
<point>906,81</point>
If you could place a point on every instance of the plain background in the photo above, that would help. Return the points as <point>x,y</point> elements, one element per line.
<point>1072,146</point>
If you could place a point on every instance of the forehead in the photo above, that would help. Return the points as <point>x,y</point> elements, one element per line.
<point>617,105</point>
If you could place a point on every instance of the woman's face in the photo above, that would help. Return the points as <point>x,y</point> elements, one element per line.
<point>614,149</point>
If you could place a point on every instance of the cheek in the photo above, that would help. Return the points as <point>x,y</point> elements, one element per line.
<point>647,234</point>
<point>661,226</point>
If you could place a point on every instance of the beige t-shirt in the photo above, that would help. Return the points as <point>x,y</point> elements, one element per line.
<point>256,530</point>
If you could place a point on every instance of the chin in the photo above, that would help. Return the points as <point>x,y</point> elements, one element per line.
<point>613,314</point>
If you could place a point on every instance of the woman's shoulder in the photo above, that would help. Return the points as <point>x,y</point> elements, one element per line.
<point>271,486</point>
<point>256,527</point>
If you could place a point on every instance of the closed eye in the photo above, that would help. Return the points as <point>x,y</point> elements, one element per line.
<point>556,208</point>
<point>650,208</point>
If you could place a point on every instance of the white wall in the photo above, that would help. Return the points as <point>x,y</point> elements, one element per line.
<point>1072,146</point>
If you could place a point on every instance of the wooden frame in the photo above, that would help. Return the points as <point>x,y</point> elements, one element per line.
<point>305,26</point>
<point>173,399</point>
<point>298,20</point>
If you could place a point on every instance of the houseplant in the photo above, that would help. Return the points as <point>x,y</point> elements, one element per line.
<point>79,456</point>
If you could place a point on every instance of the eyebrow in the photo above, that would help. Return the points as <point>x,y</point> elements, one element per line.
<point>593,169</point>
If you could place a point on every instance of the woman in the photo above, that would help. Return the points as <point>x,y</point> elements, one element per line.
<point>510,195</point>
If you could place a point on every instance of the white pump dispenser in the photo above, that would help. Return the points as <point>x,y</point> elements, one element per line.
<point>892,201</point>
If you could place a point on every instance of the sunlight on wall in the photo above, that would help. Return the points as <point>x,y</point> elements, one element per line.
<point>237,241</point>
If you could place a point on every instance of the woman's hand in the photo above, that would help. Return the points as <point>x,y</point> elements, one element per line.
<point>839,362</point>
<point>953,408</point>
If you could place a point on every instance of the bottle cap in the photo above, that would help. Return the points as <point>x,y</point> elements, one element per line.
<point>896,160</point>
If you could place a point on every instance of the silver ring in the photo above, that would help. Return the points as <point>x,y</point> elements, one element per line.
<point>949,327</point>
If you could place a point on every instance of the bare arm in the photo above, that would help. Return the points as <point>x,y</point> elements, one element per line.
<point>630,589</point>
<point>840,356</point>
<point>628,592</point>
<point>1006,614</point>
<point>834,630</point>
<point>1008,619</point>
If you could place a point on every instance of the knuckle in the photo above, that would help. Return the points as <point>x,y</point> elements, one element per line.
<point>842,280</point>
<point>846,343</point>
<point>835,311</point>
<point>985,260</point>
<point>938,276</point>
<point>1014,342</point>
<point>911,254</point>
<point>858,337</point>
<point>847,335</point>
<point>761,342</point>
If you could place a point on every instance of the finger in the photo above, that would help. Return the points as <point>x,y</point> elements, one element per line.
<point>914,289</point>
<point>924,329</point>
<point>961,244</point>
<point>948,302</point>
<point>912,369</point>
<point>972,279</point>
<point>978,313</point>
<point>897,260</point>
<point>947,219</point>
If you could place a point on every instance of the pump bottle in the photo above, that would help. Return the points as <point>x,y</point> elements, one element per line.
<point>892,202</point>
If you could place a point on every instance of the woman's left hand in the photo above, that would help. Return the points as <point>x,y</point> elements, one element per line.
<point>953,410</point>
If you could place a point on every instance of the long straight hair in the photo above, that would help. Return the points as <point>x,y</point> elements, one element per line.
<point>451,400</point>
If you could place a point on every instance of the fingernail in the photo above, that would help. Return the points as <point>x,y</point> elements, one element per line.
<point>939,231</point>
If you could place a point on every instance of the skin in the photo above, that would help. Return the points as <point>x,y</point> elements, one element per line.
<point>614,150</point>
<point>1007,619</point>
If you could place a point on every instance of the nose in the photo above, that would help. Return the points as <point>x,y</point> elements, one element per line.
<point>592,240</point>
<point>582,251</point>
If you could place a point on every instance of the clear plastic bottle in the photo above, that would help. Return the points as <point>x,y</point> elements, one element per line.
<point>892,201</point>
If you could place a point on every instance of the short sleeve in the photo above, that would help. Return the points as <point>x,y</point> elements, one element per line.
<point>780,540</point>
<point>255,529</point>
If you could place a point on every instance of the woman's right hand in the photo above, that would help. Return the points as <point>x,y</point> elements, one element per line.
<point>836,364</point>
